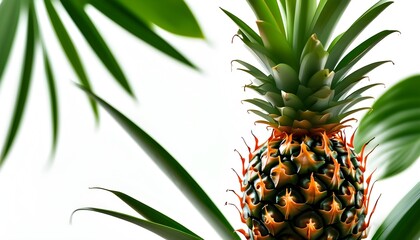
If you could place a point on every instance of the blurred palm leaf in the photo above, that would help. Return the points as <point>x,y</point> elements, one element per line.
<point>152,215</point>
<point>394,125</point>
<point>139,17</point>
<point>171,167</point>
<point>403,221</point>
<point>161,230</point>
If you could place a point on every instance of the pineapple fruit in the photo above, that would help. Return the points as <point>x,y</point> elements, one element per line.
<point>306,181</point>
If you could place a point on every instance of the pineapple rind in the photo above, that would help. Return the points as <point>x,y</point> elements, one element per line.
<point>304,187</point>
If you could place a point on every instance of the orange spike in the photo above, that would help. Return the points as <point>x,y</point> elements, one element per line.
<point>334,213</point>
<point>270,223</point>
<point>243,162</point>
<point>239,211</point>
<point>366,225</point>
<point>260,187</point>
<point>368,182</point>
<point>240,180</point>
<point>361,157</point>
<point>326,144</point>
<point>368,197</point>
<point>250,155</point>
<point>288,206</point>
<point>350,144</point>
<point>310,226</point>
<point>312,192</point>
<point>306,159</point>
<point>256,146</point>
<point>336,180</point>
<point>244,233</point>
<point>367,155</point>
<point>288,199</point>
<point>239,197</point>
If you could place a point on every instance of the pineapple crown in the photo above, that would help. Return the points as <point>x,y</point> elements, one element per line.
<point>306,86</point>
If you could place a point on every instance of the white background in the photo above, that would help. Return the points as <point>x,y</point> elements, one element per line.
<point>197,116</point>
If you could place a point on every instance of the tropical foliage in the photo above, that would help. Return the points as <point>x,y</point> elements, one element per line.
<point>175,17</point>
<point>392,121</point>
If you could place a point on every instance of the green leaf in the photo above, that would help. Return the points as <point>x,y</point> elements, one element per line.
<point>343,86</point>
<point>24,84</point>
<point>403,221</point>
<point>358,52</point>
<point>252,70</point>
<point>127,20</point>
<point>305,10</point>
<point>172,15</point>
<point>290,16</point>
<point>276,43</point>
<point>394,119</point>
<point>149,213</point>
<point>69,50</point>
<point>52,90</point>
<point>247,30</point>
<point>262,115</point>
<point>337,49</point>
<point>264,105</point>
<point>98,44</point>
<point>9,18</point>
<point>161,230</point>
<point>274,8</point>
<point>263,12</point>
<point>173,170</point>
<point>324,23</point>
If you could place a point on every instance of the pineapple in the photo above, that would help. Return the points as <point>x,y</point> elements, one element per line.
<point>306,181</point>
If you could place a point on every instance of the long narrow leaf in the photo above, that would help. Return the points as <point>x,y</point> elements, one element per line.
<point>148,212</point>
<point>401,102</point>
<point>137,27</point>
<point>70,50</point>
<point>337,49</point>
<point>305,10</point>
<point>24,84</point>
<point>9,18</point>
<point>339,86</point>
<point>358,52</point>
<point>403,221</point>
<point>161,230</point>
<point>97,43</point>
<point>247,30</point>
<point>173,169</point>
<point>52,90</point>
<point>328,19</point>
<point>172,15</point>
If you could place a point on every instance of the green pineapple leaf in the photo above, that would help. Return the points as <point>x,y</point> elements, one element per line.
<point>394,123</point>
<point>9,17</point>
<point>161,230</point>
<point>173,170</point>
<point>25,82</point>
<point>171,15</point>
<point>358,52</point>
<point>403,221</point>
<point>247,30</point>
<point>148,212</point>
<point>340,44</point>
<point>326,17</point>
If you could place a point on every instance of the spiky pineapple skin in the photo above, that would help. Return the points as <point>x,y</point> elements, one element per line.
<point>304,186</point>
